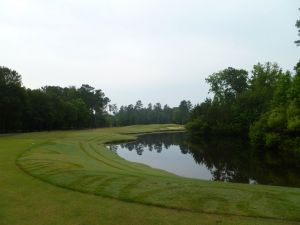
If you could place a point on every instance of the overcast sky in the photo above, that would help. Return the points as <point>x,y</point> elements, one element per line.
<point>153,50</point>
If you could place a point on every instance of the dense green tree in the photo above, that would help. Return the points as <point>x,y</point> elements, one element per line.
<point>265,106</point>
<point>228,84</point>
<point>262,85</point>
<point>238,100</point>
<point>167,114</point>
<point>12,100</point>
<point>201,119</point>
<point>96,103</point>
<point>152,114</point>
<point>279,127</point>
<point>39,114</point>
<point>51,107</point>
<point>221,114</point>
<point>182,112</point>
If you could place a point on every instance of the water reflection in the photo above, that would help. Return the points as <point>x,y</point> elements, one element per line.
<point>227,159</point>
<point>221,159</point>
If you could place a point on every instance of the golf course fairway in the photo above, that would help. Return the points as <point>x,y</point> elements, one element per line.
<point>70,177</point>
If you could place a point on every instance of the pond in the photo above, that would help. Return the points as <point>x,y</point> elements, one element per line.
<point>220,159</point>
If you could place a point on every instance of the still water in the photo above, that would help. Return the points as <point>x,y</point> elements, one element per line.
<point>227,159</point>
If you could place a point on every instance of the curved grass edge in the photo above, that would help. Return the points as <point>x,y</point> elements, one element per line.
<point>156,205</point>
<point>122,198</point>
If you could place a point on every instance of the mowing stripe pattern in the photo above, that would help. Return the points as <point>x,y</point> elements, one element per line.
<point>83,163</point>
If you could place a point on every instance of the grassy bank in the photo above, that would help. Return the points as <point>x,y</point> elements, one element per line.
<point>76,180</point>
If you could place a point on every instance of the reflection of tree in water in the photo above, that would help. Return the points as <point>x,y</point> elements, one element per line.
<point>113,148</point>
<point>156,142</point>
<point>277,168</point>
<point>232,159</point>
<point>228,159</point>
<point>184,148</point>
<point>216,155</point>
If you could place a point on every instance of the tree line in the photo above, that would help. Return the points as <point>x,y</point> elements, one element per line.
<point>265,106</point>
<point>151,114</point>
<point>50,107</point>
<point>55,108</point>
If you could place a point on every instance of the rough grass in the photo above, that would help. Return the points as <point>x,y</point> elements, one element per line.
<point>99,187</point>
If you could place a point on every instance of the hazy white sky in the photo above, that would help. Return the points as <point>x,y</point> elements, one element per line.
<point>153,50</point>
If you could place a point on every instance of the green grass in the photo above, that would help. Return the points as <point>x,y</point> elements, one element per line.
<point>76,180</point>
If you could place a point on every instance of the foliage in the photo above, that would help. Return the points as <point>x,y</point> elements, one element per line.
<point>12,99</point>
<point>50,107</point>
<point>278,128</point>
<point>54,107</point>
<point>265,105</point>
<point>152,114</point>
<point>220,115</point>
<point>228,84</point>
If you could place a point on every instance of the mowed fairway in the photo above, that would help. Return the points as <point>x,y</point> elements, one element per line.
<point>72,178</point>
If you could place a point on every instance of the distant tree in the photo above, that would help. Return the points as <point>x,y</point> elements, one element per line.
<point>113,108</point>
<point>138,114</point>
<point>182,112</point>
<point>298,26</point>
<point>96,103</point>
<point>138,105</point>
<point>157,110</point>
<point>167,114</point>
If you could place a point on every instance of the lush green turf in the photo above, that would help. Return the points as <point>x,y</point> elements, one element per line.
<point>119,192</point>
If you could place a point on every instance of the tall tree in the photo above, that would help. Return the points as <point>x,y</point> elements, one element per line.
<point>298,26</point>
<point>12,100</point>
<point>278,128</point>
<point>228,84</point>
